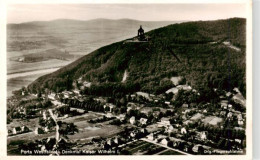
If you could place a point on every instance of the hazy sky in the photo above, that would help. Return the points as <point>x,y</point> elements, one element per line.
<point>149,12</point>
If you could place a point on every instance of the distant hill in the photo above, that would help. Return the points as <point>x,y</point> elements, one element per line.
<point>88,23</point>
<point>74,35</point>
<point>194,50</point>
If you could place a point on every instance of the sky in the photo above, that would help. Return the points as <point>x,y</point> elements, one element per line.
<point>18,13</point>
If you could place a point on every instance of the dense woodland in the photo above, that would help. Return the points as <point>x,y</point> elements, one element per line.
<point>184,49</point>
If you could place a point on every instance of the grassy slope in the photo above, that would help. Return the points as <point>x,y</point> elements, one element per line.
<point>201,63</point>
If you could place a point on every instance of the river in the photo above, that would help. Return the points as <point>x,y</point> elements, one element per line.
<point>16,81</point>
<point>23,74</point>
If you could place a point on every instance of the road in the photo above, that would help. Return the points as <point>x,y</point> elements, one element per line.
<point>19,135</point>
<point>161,152</point>
<point>57,126</point>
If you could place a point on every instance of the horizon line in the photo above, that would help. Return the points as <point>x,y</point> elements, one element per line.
<point>123,19</point>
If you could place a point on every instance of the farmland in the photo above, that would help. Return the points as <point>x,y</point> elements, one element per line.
<point>87,130</point>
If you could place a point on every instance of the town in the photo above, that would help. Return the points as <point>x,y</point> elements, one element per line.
<point>177,122</point>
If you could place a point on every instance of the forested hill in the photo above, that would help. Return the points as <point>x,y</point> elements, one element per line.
<point>194,50</point>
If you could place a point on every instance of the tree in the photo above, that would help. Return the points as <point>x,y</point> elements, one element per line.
<point>72,128</point>
<point>200,150</point>
<point>39,94</point>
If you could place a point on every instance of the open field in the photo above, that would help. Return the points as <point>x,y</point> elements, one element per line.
<point>213,120</point>
<point>30,137</point>
<point>87,130</point>
<point>44,56</point>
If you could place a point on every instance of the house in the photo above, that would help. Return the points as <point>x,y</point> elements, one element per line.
<point>46,129</point>
<point>198,148</point>
<point>17,130</point>
<point>167,102</point>
<point>143,131</point>
<point>25,129</point>
<point>230,114</point>
<point>21,59</point>
<point>188,122</point>
<point>131,105</point>
<point>56,103</point>
<point>184,87</point>
<point>76,91</point>
<point>239,128</point>
<point>111,106</point>
<point>185,111</point>
<point>67,94</point>
<point>152,128</point>
<point>240,122</point>
<point>228,94</point>
<point>133,134</point>
<point>51,96</point>
<point>238,141</point>
<point>203,135</point>
<point>230,106</point>
<point>132,120</point>
<point>165,141</point>
<point>239,99</point>
<point>151,137</point>
<point>43,147</point>
<point>109,142</point>
<point>224,104</point>
<point>116,140</point>
<point>38,131</point>
<point>195,148</point>
<point>196,117</point>
<point>86,84</point>
<point>143,121</point>
<point>132,95</point>
<point>176,142</point>
<point>185,105</point>
<point>164,122</point>
<point>44,115</point>
<point>80,80</point>
<point>184,117</point>
<point>109,115</point>
<point>171,129</point>
<point>156,114</point>
<point>100,99</point>
<point>240,117</point>
<point>160,137</point>
<point>121,117</point>
<point>223,113</point>
<point>146,110</point>
<point>173,90</point>
<point>81,111</point>
<point>183,130</point>
<point>145,95</point>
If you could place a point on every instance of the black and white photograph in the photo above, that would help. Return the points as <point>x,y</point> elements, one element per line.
<point>128,79</point>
